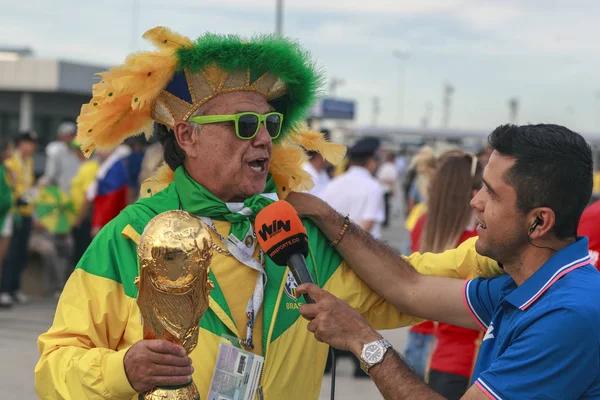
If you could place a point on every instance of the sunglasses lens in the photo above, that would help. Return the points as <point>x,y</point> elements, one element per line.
<point>247,126</point>
<point>273,123</point>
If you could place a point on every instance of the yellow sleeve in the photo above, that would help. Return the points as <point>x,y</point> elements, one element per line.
<point>31,173</point>
<point>12,168</point>
<point>380,314</point>
<point>82,353</point>
<point>461,263</point>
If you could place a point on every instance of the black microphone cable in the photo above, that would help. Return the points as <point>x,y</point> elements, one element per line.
<point>332,351</point>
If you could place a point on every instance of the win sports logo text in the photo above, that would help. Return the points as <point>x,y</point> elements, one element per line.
<point>268,231</point>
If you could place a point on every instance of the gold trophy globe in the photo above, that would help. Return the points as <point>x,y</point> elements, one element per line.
<point>175,252</point>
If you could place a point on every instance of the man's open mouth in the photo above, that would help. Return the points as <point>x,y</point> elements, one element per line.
<point>481,224</point>
<point>258,165</point>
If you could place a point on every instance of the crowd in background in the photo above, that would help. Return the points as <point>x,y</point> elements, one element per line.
<point>87,192</point>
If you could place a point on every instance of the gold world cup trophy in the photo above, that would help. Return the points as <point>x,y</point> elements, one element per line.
<point>175,252</point>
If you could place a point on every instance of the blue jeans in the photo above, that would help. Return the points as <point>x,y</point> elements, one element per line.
<point>417,352</point>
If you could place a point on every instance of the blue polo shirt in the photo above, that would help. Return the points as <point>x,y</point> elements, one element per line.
<point>542,338</point>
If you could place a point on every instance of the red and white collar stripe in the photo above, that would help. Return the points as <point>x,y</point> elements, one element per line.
<point>557,275</point>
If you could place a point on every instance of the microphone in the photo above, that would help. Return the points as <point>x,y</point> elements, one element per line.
<point>282,236</point>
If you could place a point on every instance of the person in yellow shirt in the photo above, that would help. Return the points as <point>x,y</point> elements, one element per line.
<point>20,166</point>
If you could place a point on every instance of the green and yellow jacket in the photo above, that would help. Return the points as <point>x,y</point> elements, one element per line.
<point>97,318</point>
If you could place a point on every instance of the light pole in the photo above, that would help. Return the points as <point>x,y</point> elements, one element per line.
<point>279,18</point>
<point>334,83</point>
<point>402,56</point>
<point>376,110</point>
<point>428,114</point>
<point>447,104</point>
<point>513,107</point>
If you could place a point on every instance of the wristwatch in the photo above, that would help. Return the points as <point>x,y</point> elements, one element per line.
<point>373,353</point>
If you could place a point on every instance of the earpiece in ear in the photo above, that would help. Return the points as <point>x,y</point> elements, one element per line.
<point>537,221</point>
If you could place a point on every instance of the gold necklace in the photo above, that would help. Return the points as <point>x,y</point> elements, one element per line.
<point>220,250</point>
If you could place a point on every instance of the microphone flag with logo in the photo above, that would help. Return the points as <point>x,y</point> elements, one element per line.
<point>282,236</point>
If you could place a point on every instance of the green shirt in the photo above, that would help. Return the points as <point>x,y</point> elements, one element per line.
<point>5,196</point>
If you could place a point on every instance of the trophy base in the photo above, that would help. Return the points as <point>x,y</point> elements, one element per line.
<point>183,392</point>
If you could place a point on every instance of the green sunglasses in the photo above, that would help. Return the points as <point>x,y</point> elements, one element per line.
<point>247,124</point>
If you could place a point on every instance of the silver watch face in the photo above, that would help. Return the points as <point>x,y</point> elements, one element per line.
<point>373,353</point>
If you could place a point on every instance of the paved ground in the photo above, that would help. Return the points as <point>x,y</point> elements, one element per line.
<point>20,327</point>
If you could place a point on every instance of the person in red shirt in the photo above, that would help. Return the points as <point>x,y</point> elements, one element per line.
<point>449,222</point>
<point>420,337</point>
<point>589,225</point>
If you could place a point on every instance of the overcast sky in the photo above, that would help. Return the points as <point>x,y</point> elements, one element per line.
<point>544,52</point>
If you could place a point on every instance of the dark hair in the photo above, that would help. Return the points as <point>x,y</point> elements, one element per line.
<point>173,153</point>
<point>4,144</point>
<point>26,136</point>
<point>553,169</point>
<point>139,140</point>
<point>360,160</point>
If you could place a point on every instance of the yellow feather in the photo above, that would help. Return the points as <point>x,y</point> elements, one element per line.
<point>143,76</point>
<point>315,141</point>
<point>122,101</point>
<point>163,70</point>
<point>164,38</point>
<point>158,181</point>
<point>287,168</point>
<point>108,124</point>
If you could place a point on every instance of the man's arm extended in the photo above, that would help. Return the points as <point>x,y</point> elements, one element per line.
<point>334,322</point>
<point>386,272</point>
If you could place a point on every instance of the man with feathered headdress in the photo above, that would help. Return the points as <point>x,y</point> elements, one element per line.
<point>232,146</point>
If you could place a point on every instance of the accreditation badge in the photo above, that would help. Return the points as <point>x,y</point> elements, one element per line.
<point>236,375</point>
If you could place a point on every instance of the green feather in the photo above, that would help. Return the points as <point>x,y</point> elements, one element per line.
<point>280,56</point>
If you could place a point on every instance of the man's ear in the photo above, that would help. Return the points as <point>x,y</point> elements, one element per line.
<point>542,221</point>
<point>186,138</point>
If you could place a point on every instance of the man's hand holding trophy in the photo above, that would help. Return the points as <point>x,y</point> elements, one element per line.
<point>175,251</point>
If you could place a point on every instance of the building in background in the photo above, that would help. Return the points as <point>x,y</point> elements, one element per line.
<point>39,94</point>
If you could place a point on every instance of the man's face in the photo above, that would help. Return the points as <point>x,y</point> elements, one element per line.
<point>320,163</point>
<point>68,138</point>
<point>374,162</point>
<point>233,169</point>
<point>502,228</point>
<point>27,148</point>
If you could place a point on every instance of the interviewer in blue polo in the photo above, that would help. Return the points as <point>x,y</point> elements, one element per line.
<point>541,319</point>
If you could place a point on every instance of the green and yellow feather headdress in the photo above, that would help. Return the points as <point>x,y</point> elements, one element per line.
<point>170,84</point>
